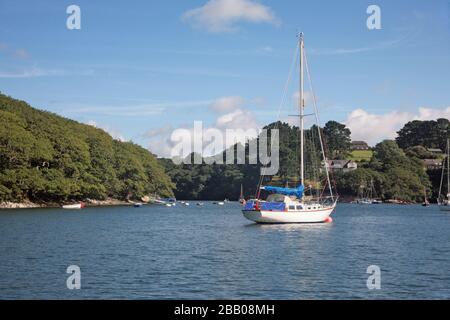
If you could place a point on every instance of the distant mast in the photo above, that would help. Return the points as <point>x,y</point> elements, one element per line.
<point>301,104</point>
<point>448,170</point>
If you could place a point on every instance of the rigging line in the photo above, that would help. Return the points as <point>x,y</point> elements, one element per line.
<point>282,102</point>
<point>316,172</point>
<point>442,175</point>
<point>286,86</point>
<point>318,122</point>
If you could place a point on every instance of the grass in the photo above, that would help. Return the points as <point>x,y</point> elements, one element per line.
<point>360,155</point>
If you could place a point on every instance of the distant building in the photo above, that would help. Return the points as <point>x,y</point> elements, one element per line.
<point>432,164</point>
<point>359,145</point>
<point>342,165</point>
<point>434,150</point>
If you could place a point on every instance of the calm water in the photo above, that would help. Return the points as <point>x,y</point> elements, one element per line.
<point>213,252</point>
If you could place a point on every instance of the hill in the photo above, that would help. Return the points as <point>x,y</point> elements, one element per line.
<point>47,158</point>
<point>360,155</point>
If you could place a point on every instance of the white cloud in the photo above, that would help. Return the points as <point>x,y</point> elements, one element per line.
<point>31,73</point>
<point>223,15</point>
<point>115,134</point>
<point>159,140</point>
<point>135,110</point>
<point>340,51</point>
<point>237,119</point>
<point>374,128</point>
<point>39,72</point>
<point>227,104</point>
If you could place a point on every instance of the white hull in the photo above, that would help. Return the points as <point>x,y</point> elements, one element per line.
<point>304,216</point>
<point>73,206</point>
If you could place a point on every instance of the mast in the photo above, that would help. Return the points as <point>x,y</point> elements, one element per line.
<point>448,170</point>
<point>301,106</point>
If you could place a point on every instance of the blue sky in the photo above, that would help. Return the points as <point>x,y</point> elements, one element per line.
<point>140,69</point>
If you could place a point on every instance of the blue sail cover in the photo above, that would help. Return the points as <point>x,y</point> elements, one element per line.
<point>267,206</point>
<point>298,192</point>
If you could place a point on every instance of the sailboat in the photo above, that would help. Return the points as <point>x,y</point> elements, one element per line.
<point>444,201</point>
<point>369,197</point>
<point>425,202</point>
<point>289,205</point>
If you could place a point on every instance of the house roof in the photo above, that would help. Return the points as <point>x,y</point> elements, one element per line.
<point>432,162</point>
<point>340,163</point>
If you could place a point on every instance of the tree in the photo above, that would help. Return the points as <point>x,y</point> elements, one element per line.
<point>429,134</point>
<point>404,178</point>
<point>338,141</point>
<point>45,157</point>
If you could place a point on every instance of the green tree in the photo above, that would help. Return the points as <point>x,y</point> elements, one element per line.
<point>338,140</point>
<point>45,157</point>
<point>429,134</point>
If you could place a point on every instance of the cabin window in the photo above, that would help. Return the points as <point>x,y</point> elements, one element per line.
<point>299,207</point>
<point>309,208</point>
<point>291,207</point>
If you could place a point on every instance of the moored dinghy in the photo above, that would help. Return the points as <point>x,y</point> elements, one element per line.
<point>74,206</point>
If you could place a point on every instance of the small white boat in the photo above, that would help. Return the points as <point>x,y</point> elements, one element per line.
<point>74,206</point>
<point>220,203</point>
<point>186,203</point>
<point>364,201</point>
<point>137,205</point>
<point>199,203</point>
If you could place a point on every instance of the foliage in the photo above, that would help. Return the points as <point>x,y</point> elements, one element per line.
<point>338,140</point>
<point>360,155</point>
<point>45,157</point>
<point>429,134</point>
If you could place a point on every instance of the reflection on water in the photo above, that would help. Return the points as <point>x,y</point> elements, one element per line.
<point>214,252</point>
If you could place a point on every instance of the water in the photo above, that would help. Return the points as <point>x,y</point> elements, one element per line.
<point>212,252</point>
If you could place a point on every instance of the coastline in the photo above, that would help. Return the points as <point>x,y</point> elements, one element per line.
<point>88,202</point>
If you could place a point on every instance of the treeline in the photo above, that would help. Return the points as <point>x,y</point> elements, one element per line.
<point>223,181</point>
<point>48,158</point>
<point>396,169</point>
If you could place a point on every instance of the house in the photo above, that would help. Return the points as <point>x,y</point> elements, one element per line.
<point>342,165</point>
<point>432,164</point>
<point>359,145</point>
<point>434,150</point>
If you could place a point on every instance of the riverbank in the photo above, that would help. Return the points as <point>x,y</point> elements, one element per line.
<point>88,202</point>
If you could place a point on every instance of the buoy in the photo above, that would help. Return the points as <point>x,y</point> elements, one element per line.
<point>328,220</point>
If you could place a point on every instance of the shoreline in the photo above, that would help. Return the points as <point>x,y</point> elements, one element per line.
<point>48,205</point>
<point>115,202</point>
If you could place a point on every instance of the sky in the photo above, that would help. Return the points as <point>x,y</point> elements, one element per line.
<point>141,69</point>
